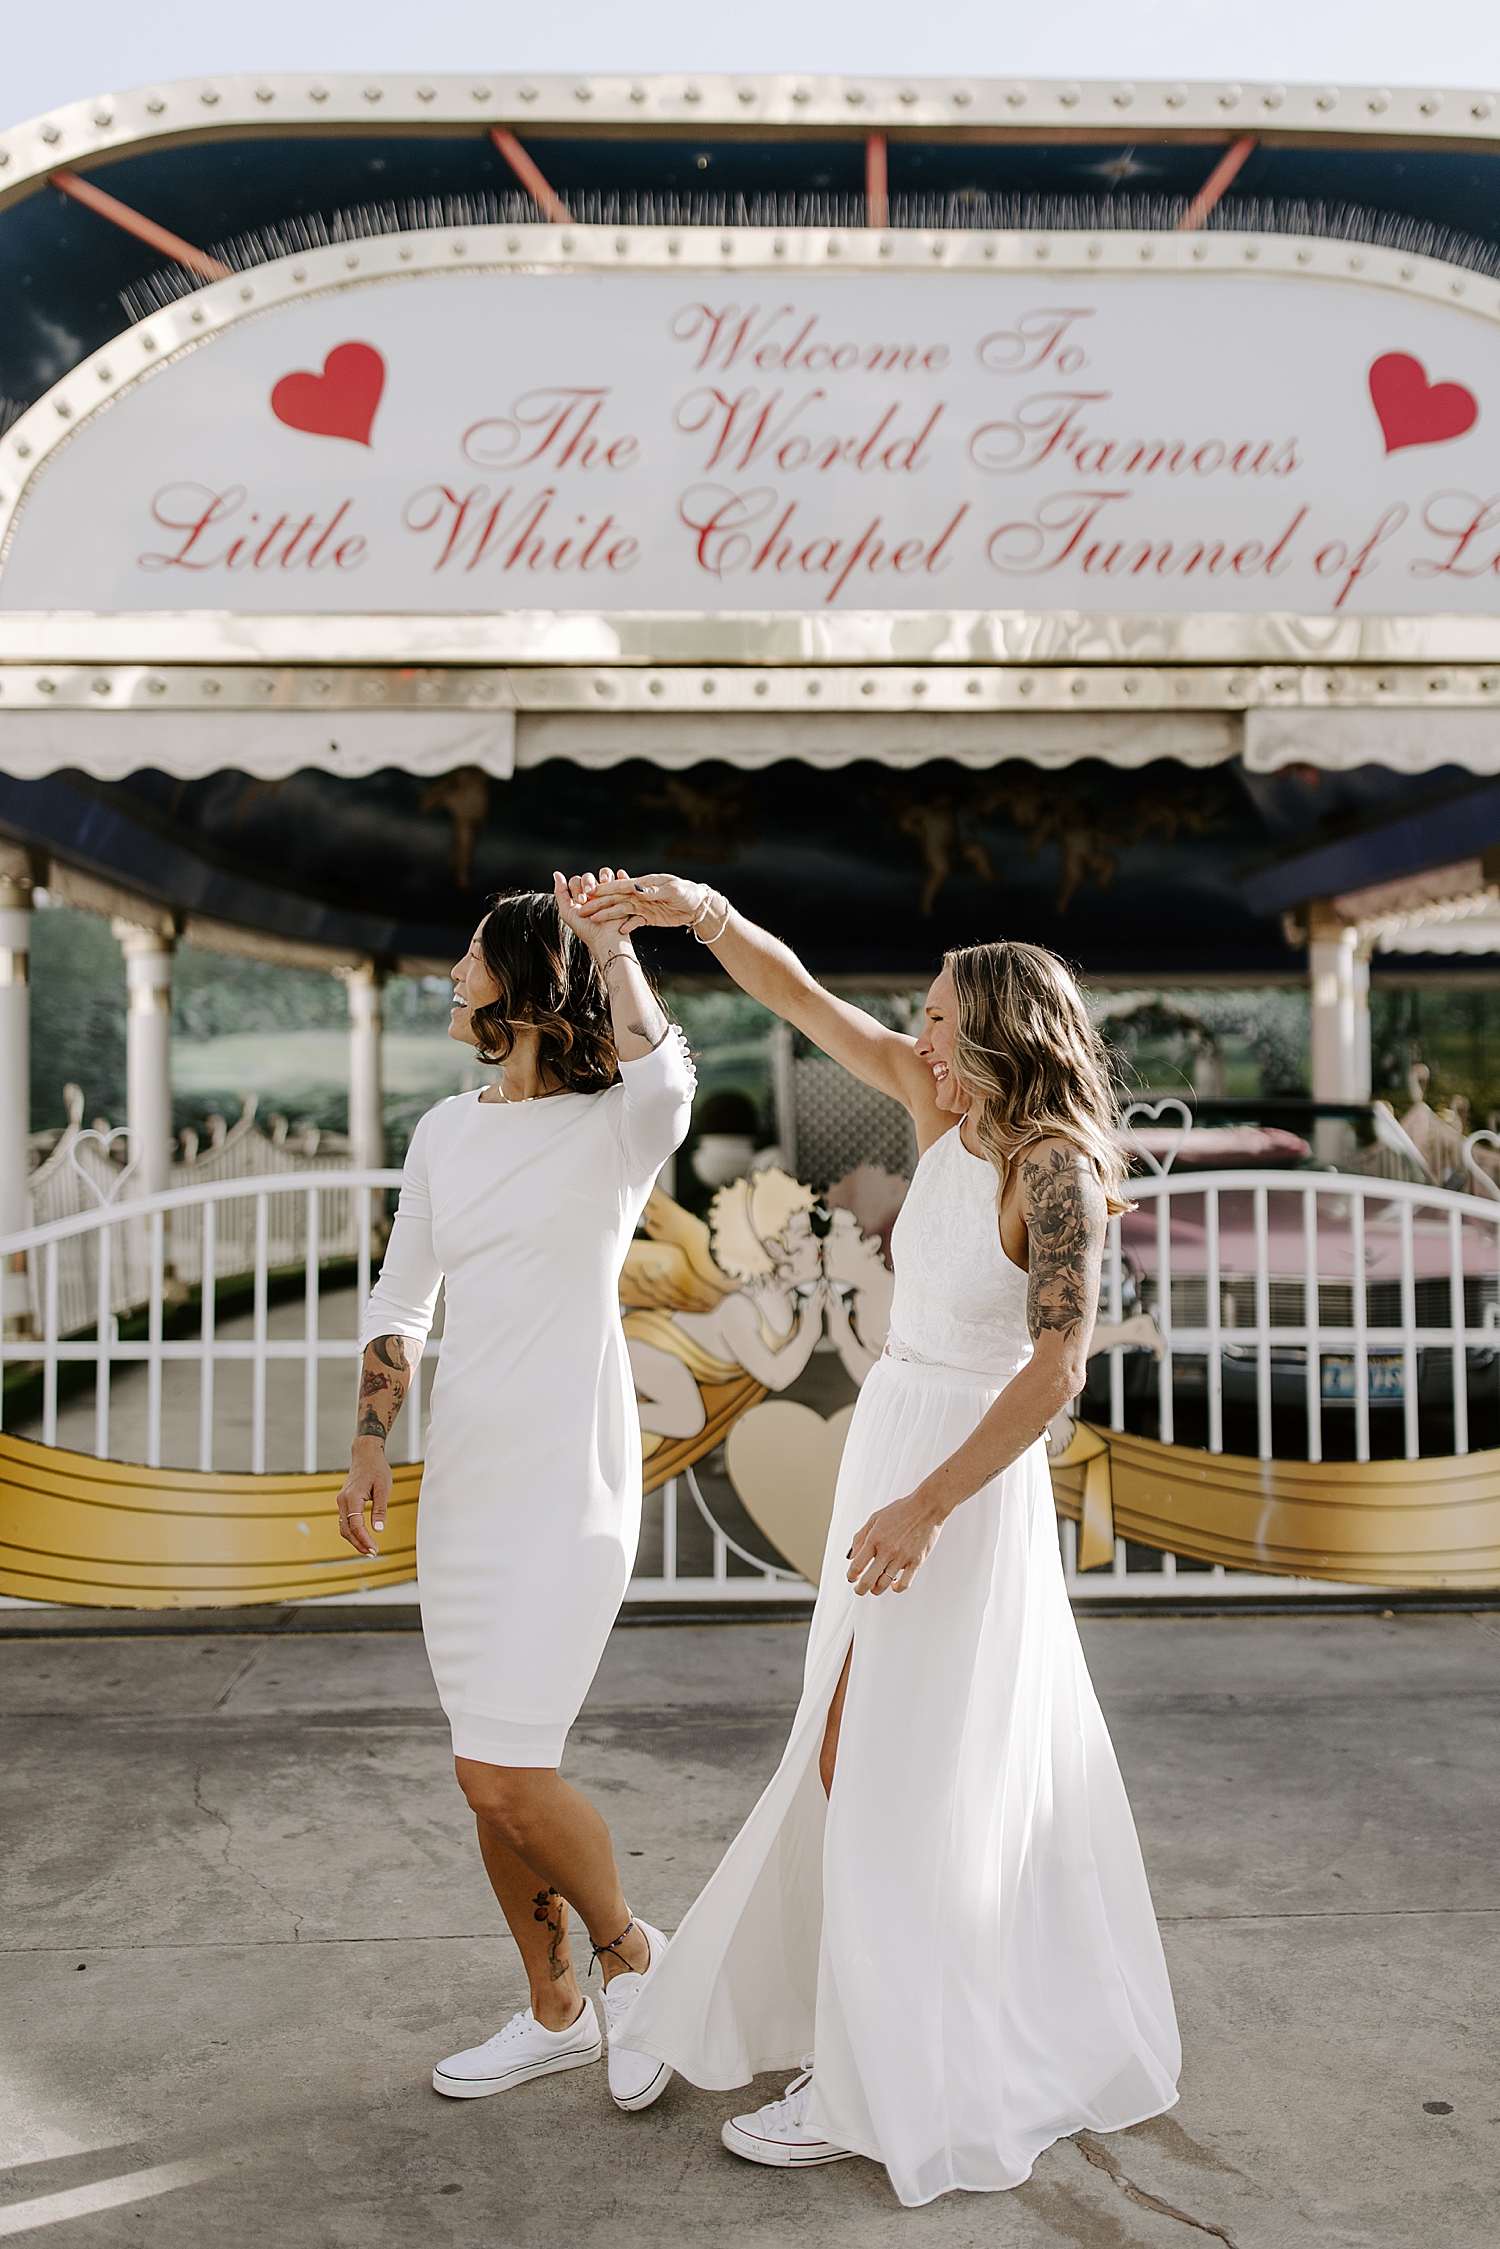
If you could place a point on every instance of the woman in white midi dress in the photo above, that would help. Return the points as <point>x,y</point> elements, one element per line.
<point>520,1201</point>
<point>959,1932</point>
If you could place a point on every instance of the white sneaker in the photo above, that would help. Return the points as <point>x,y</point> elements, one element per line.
<point>778,2132</point>
<point>524,2049</point>
<point>635,2080</point>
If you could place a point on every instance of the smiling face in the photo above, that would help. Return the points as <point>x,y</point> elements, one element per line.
<point>473,987</point>
<point>936,1042</point>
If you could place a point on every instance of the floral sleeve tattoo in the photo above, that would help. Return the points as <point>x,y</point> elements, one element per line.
<point>383,1385</point>
<point>1065,1219</point>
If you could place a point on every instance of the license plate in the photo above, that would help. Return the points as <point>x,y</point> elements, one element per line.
<point>1387,1379</point>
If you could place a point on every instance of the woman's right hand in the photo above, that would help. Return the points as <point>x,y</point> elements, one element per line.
<point>641,901</point>
<point>367,1485</point>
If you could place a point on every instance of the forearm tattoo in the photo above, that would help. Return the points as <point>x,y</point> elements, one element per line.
<point>383,1385</point>
<point>643,1019</point>
<point>549,1907</point>
<point>1065,1220</point>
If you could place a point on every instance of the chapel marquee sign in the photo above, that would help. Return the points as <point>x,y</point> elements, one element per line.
<point>1130,442</point>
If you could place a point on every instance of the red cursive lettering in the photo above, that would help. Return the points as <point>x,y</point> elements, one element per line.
<point>723,521</point>
<point>745,429</point>
<point>726,335</point>
<point>1051,422</point>
<point>195,512</point>
<point>1037,338</point>
<point>1060,531</point>
<point>557,426</point>
<point>1463,521</point>
<point>516,533</point>
<point>1333,558</point>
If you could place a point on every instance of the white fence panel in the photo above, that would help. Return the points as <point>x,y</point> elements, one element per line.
<point>1296,1305</point>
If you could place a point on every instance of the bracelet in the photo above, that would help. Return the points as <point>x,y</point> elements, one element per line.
<point>609,960</point>
<point>703,909</point>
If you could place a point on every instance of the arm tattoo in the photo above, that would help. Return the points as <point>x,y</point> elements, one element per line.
<point>383,1385</point>
<point>1065,1219</point>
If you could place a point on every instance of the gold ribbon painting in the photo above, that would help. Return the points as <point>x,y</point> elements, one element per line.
<point>1431,1523</point>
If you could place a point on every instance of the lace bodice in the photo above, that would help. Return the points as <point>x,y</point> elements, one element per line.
<point>959,1301</point>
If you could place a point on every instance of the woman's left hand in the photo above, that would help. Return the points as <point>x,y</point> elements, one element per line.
<point>895,1542</point>
<point>605,934</point>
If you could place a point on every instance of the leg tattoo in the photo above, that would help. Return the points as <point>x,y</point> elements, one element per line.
<point>549,1907</point>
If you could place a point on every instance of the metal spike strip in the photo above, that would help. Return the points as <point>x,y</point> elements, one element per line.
<point>961,213</point>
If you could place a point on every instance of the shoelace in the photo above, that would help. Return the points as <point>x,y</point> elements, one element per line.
<point>790,2109</point>
<point>510,2030</point>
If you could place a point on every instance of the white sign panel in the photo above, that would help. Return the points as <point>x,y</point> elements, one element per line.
<point>508,441</point>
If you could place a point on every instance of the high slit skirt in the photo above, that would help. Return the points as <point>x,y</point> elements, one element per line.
<point>962,1935</point>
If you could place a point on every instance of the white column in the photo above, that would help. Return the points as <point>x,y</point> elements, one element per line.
<point>1339,971</point>
<point>366,1118</point>
<point>15,1077</point>
<point>148,1051</point>
<point>1363,1067</point>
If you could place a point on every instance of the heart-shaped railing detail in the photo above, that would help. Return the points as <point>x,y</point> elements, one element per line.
<point>1152,1116</point>
<point>106,1141</point>
<point>1492,1140</point>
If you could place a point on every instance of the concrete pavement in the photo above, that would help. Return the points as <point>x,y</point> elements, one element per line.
<point>243,1914</point>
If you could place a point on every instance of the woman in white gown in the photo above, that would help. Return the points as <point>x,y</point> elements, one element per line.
<point>521,1200</point>
<point>941,1892</point>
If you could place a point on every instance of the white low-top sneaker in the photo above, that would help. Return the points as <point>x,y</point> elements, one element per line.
<point>778,2133</point>
<point>635,2080</point>
<point>524,2049</point>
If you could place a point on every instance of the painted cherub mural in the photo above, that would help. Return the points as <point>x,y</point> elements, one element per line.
<point>858,1288</point>
<point>712,1304</point>
<point>718,1314</point>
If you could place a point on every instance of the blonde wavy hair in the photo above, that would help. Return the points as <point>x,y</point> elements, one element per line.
<point>1025,1048</point>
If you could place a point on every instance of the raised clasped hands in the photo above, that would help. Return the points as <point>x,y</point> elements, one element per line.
<point>627,903</point>
<point>604,930</point>
<point>893,1545</point>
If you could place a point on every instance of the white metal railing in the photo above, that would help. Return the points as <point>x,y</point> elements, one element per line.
<point>241,1228</point>
<point>1283,1298</point>
<point>81,1176</point>
<point>264,1228</point>
<point>1291,1297</point>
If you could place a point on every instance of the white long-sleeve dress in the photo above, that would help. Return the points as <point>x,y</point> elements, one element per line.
<point>531,1494</point>
<point>963,1937</point>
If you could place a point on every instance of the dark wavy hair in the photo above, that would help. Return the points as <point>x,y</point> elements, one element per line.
<point>547,978</point>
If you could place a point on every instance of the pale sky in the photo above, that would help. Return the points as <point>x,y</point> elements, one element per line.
<point>55,54</point>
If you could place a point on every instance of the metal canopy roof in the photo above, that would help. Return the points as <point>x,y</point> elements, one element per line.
<point>227,158</point>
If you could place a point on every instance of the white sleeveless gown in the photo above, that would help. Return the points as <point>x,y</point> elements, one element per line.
<point>963,1937</point>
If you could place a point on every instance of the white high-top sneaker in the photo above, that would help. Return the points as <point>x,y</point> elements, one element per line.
<point>635,2080</point>
<point>778,2133</point>
<point>524,2049</point>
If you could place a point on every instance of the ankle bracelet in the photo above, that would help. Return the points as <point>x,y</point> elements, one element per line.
<point>612,1946</point>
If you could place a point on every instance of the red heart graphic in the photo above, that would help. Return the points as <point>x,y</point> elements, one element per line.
<point>340,402</point>
<point>1413,411</point>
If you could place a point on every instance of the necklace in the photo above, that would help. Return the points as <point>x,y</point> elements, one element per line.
<point>511,1100</point>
